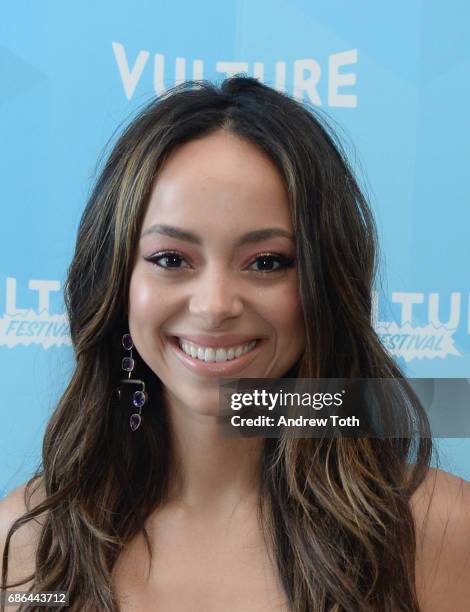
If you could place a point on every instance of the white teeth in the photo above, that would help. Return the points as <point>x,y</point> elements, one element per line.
<point>221,355</point>
<point>210,354</point>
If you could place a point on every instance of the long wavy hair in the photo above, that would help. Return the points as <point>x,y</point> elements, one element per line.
<point>335,512</point>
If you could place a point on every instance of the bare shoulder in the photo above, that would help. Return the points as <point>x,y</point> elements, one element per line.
<point>441,510</point>
<point>23,543</point>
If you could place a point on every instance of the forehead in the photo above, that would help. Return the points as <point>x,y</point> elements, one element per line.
<point>216,182</point>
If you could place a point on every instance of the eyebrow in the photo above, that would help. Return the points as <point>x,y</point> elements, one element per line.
<point>248,238</point>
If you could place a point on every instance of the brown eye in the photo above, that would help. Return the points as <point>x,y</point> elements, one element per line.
<point>168,260</point>
<point>272,263</point>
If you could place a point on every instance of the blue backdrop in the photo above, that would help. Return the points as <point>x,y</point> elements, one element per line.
<point>395,77</point>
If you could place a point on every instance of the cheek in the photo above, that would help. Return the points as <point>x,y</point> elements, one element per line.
<point>147,303</point>
<point>140,298</point>
<point>286,310</point>
<point>290,324</point>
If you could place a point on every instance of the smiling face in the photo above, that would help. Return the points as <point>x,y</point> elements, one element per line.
<point>214,289</point>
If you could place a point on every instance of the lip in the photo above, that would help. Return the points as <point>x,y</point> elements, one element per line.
<point>215,368</point>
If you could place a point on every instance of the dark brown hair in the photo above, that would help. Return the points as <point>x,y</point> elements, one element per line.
<point>335,511</point>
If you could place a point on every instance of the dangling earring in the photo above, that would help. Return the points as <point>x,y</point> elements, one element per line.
<point>140,397</point>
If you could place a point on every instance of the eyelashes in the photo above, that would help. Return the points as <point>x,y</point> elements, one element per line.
<point>264,259</point>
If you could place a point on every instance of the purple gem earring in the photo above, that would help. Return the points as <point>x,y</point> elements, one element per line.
<point>140,397</point>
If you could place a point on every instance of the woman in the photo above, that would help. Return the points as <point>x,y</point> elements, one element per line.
<point>227,237</point>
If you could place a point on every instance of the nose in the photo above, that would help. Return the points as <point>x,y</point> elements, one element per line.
<point>215,298</point>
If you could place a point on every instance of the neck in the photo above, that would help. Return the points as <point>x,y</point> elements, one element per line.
<point>209,471</point>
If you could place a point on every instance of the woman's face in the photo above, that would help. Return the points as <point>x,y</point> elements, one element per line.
<point>215,273</point>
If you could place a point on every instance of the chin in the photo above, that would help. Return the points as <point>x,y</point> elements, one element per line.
<point>198,401</point>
